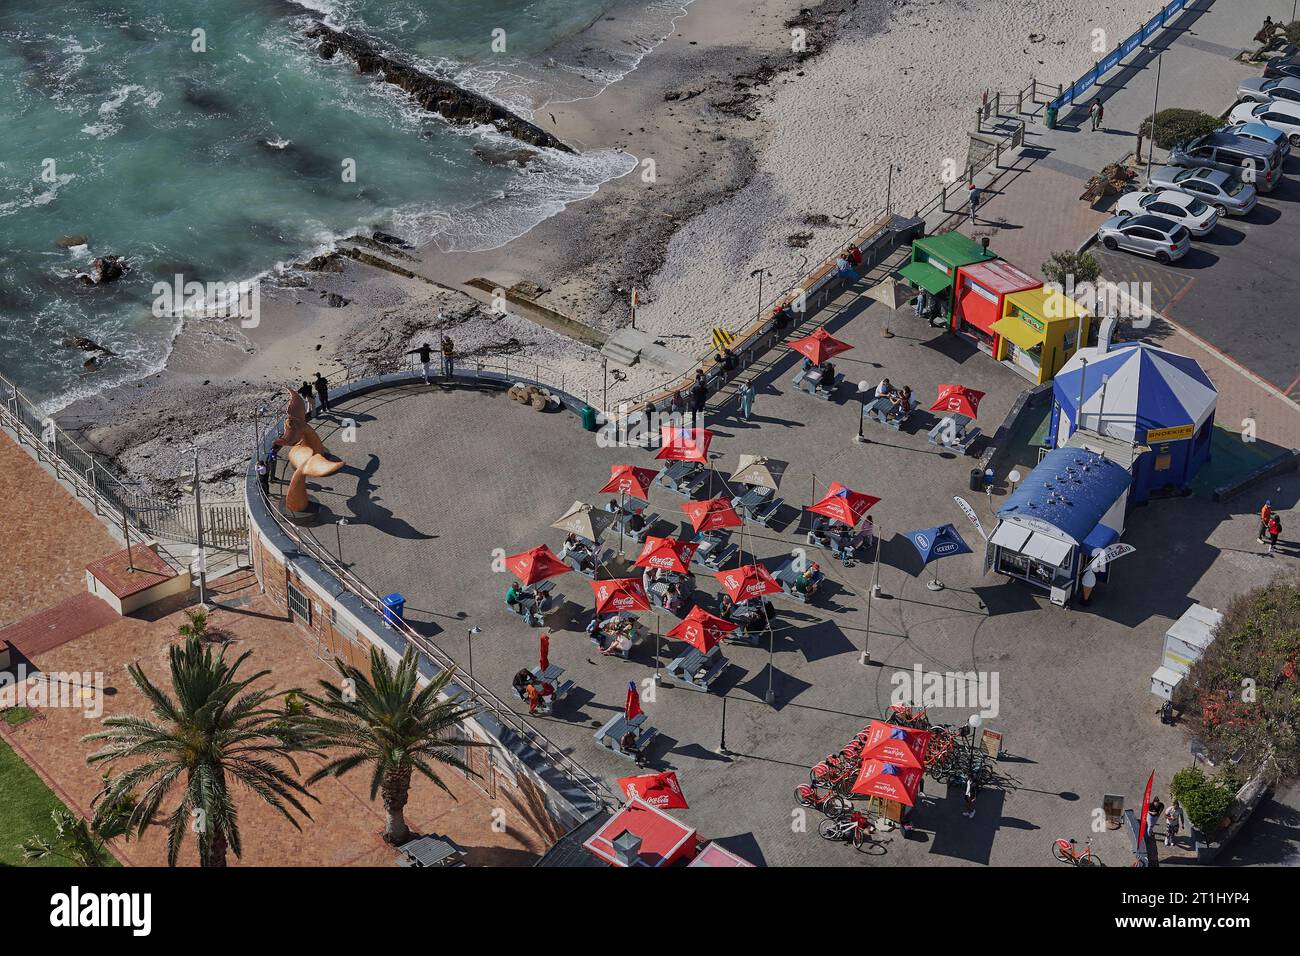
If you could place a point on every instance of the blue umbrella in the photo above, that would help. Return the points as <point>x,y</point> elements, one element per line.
<point>935,543</point>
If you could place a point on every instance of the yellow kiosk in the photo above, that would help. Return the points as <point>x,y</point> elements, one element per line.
<point>1039,330</point>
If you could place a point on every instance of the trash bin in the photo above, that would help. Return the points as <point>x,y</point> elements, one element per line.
<point>394,608</point>
<point>589,418</point>
<point>1051,117</point>
<point>977,479</point>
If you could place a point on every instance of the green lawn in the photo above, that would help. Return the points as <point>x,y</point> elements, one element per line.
<point>25,805</point>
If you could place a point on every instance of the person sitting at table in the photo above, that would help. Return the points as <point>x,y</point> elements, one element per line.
<point>818,536</point>
<point>673,599</point>
<point>885,388</point>
<point>621,643</point>
<point>596,632</point>
<point>636,523</point>
<point>900,403</point>
<point>534,695</point>
<point>613,507</point>
<point>843,540</point>
<point>521,682</point>
<point>806,365</point>
<point>725,606</point>
<point>806,581</point>
<point>828,373</point>
<point>516,595</point>
<point>579,550</point>
<point>627,744</point>
<point>868,530</point>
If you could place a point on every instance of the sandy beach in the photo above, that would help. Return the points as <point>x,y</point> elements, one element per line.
<point>750,155</point>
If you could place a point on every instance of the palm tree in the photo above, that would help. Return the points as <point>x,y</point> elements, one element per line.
<point>77,841</point>
<point>215,731</point>
<point>387,720</point>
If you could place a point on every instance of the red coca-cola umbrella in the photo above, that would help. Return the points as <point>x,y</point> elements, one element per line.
<point>748,581</point>
<point>536,564</point>
<point>632,705</point>
<point>819,346</point>
<point>712,514</point>
<point>667,553</point>
<point>844,504</point>
<point>957,400</point>
<point>901,746</point>
<point>657,789</point>
<point>619,594</point>
<point>702,630</point>
<point>879,778</point>
<point>544,653</point>
<point>630,481</point>
<point>685,444</point>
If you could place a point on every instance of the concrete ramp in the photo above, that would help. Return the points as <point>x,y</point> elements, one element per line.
<point>628,346</point>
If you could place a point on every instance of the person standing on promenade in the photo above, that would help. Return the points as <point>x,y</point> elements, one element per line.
<point>426,354</point>
<point>699,394</point>
<point>322,387</point>
<point>264,478</point>
<point>973,195</point>
<point>746,400</point>
<point>1098,113</point>
<point>1264,514</point>
<point>448,356</point>
<point>305,391</point>
<point>1173,822</point>
<point>1274,529</point>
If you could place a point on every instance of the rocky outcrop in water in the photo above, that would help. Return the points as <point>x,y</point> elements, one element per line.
<point>445,98</point>
<point>104,269</point>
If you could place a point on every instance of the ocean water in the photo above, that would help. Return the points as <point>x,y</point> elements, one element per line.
<point>219,164</point>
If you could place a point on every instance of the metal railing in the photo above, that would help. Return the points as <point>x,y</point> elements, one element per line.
<point>481,696</point>
<point>106,494</point>
<point>1122,49</point>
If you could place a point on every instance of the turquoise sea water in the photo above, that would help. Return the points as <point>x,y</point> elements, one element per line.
<point>219,164</point>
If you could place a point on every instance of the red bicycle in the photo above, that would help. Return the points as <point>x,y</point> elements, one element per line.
<point>1067,851</point>
<point>831,803</point>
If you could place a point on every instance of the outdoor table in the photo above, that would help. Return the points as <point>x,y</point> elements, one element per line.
<point>619,725</point>
<point>551,675</point>
<point>430,851</point>
<point>678,472</point>
<point>876,408</point>
<point>697,669</point>
<point>708,543</point>
<point>751,499</point>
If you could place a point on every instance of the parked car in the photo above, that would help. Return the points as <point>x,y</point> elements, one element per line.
<point>1280,115</point>
<point>1155,236</point>
<point>1282,67</point>
<point>1225,192</point>
<point>1194,215</point>
<point>1261,90</point>
<point>1260,131</point>
<point>1257,163</point>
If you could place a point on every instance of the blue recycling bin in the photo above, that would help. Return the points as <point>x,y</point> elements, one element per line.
<point>394,608</point>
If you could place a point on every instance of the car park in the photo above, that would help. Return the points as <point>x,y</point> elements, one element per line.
<point>1263,133</point>
<point>1261,89</point>
<point>1282,67</point>
<point>1162,239</point>
<point>1193,214</point>
<point>1278,114</point>
<point>1258,163</point>
<point>1224,191</point>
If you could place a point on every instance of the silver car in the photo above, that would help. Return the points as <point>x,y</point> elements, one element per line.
<point>1192,214</point>
<point>1225,192</point>
<point>1162,239</point>
<point>1261,90</point>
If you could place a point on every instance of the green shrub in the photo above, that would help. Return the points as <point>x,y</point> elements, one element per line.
<point>1176,125</point>
<point>1206,802</point>
<point>1063,267</point>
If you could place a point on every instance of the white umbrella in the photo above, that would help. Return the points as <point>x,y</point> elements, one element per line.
<point>760,471</point>
<point>585,521</point>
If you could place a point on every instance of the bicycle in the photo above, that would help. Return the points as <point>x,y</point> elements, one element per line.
<point>831,803</point>
<point>1067,851</point>
<point>852,826</point>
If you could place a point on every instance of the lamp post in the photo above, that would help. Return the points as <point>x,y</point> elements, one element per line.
<point>974,721</point>
<point>758,310</point>
<point>1151,145</point>
<point>338,536</point>
<point>863,388</point>
<point>198,528</point>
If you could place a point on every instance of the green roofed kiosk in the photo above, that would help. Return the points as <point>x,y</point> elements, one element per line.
<point>935,261</point>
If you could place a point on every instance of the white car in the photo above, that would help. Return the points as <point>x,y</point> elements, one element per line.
<point>1281,115</point>
<point>1198,217</point>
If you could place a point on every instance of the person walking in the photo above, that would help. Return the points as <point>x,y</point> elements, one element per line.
<point>699,396</point>
<point>1098,112</point>
<point>1264,514</point>
<point>746,400</point>
<point>1154,809</point>
<point>973,195</point>
<point>971,792</point>
<point>1274,529</point>
<point>1173,823</point>
<point>322,387</point>
<point>305,390</point>
<point>448,356</point>
<point>425,353</point>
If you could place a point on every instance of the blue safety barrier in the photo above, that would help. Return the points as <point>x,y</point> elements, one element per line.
<point>1116,56</point>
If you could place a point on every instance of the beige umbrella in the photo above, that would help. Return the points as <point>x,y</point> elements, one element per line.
<point>760,470</point>
<point>586,521</point>
<point>891,293</point>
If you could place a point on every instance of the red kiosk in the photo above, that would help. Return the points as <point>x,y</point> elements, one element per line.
<point>978,298</point>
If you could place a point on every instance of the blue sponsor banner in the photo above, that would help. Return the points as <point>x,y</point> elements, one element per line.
<point>1112,60</point>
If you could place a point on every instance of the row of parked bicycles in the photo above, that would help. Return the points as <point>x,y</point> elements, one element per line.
<point>951,755</point>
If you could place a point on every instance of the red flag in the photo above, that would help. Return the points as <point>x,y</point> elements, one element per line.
<point>544,659</point>
<point>633,705</point>
<point>1146,802</point>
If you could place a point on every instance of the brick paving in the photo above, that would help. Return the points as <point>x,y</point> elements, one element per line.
<point>44,562</point>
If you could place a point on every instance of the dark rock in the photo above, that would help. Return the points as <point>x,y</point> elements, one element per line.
<point>336,301</point>
<point>443,97</point>
<point>67,242</point>
<point>85,344</point>
<point>105,269</point>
